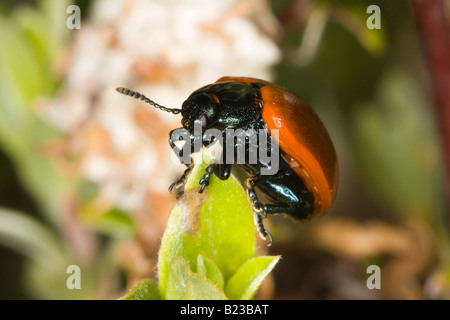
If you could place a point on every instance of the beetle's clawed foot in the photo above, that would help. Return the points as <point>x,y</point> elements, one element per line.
<point>176,184</point>
<point>181,181</point>
<point>180,194</point>
<point>260,213</point>
<point>205,180</point>
<point>262,231</point>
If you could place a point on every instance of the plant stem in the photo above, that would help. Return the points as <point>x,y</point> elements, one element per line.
<point>435,32</point>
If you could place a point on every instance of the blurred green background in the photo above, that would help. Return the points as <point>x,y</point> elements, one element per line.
<point>371,87</point>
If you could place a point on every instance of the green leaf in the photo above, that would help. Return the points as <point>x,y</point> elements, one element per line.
<point>146,289</point>
<point>244,284</point>
<point>216,224</point>
<point>207,269</point>
<point>183,284</point>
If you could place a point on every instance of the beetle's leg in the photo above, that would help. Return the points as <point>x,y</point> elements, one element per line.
<point>262,231</point>
<point>182,180</point>
<point>221,170</point>
<point>265,209</point>
<point>260,214</point>
<point>205,180</point>
<point>257,206</point>
<point>184,135</point>
<point>286,192</point>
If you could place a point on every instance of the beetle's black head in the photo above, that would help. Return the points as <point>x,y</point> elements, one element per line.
<point>221,106</point>
<point>203,107</point>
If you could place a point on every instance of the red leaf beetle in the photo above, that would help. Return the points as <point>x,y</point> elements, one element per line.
<point>306,181</point>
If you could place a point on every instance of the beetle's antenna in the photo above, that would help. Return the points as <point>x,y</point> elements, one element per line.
<point>140,96</point>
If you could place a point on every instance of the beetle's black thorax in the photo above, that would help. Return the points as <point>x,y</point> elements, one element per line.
<point>236,105</point>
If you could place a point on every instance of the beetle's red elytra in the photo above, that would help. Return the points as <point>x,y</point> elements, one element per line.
<point>303,138</point>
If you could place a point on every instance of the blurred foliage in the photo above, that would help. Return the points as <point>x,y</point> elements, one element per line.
<point>403,139</point>
<point>371,89</point>
<point>378,104</point>
<point>32,44</point>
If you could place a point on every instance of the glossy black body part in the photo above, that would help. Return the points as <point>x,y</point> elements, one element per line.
<point>238,105</point>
